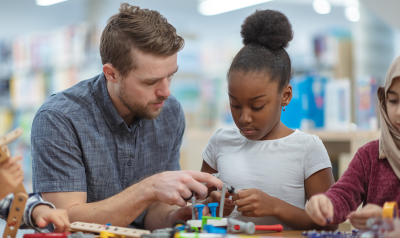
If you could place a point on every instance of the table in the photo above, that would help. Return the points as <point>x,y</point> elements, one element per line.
<point>285,234</point>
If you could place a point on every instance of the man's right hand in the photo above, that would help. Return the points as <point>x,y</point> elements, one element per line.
<point>320,209</point>
<point>172,187</point>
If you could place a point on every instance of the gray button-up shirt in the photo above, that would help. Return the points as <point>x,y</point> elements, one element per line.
<point>81,143</point>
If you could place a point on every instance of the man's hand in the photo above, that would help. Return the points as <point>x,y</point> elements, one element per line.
<point>320,209</point>
<point>11,175</point>
<point>173,186</point>
<point>359,218</point>
<point>215,196</point>
<point>254,203</point>
<point>44,215</point>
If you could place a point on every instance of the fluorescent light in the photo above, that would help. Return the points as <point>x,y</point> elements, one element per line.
<point>352,14</point>
<point>352,3</point>
<point>48,2</point>
<point>322,6</point>
<point>214,7</point>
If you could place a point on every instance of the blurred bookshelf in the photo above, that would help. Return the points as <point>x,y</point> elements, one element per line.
<point>36,65</point>
<point>327,100</point>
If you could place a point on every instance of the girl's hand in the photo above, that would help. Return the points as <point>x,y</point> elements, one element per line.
<point>396,229</point>
<point>254,203</point>
<point>44,215</point>
<point>320,209</point>
<point>359,218</point>
<point>229,205</point>
<point>11,175</point>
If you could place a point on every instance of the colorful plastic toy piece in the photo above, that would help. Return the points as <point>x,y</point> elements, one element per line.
<point>236,226</point>
<point>277,228</point>
<point>213,229</point>
<point>200,208</point>
<point>213,208</point>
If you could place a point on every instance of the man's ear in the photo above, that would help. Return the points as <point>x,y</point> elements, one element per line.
<point>287,95</point>
<point>110,73</point>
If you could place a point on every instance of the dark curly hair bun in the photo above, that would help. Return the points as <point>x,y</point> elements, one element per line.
<point>269,28</point>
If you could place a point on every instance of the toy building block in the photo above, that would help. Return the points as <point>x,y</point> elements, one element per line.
<point>193,210</point>
<point>97,228</point>
<point>200,208</point>
<point>59,235</point>
<point>213,208</point>
<point>20,196</point>
<point>236,226</point>
<point>48,235</point>
<point>277,228</point>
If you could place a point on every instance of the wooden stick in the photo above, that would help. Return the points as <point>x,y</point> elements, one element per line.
<point>20,196</point>
<point>10,137</point>
<point>96,228</point>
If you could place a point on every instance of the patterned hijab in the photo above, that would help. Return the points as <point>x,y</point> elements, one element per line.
<point>389,143</point>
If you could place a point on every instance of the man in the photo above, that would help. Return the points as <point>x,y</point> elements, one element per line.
<point>98,147</point>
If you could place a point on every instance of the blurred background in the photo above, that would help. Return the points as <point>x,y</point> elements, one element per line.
<point>340,53</point>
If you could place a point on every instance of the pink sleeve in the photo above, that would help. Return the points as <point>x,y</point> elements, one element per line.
<point>348,192</point>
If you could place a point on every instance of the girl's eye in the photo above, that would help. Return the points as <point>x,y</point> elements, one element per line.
<point>234,106</point>
<point>393,101</point>
<point>258,108</point>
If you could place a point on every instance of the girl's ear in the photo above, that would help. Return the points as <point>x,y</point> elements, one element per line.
<point>286,95</point>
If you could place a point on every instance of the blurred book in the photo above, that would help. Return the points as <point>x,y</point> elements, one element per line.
<point>306,109</point>
<point>367,103</point>
<point>337,105</point>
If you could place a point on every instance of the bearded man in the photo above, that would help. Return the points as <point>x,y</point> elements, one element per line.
<point>107,149</point>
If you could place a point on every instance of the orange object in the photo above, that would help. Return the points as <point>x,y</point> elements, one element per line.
<point>277,228</point>
<point>390,210</point>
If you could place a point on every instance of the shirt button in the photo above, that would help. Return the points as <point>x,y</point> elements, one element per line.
<point>129,163</point>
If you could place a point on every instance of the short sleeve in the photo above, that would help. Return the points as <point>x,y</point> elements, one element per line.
<point>316,157</point>
<point>173,164</point>
<point>56,155</point>
<point>210,153</point>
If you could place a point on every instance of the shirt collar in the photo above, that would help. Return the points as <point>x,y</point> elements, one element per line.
<point>105,104</point>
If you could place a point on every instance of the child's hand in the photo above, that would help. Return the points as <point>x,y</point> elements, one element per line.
<point>320,209</point>
<point>229,205</point>
<point>254,203</point>
<point>11,175</point>
<point>359,218</point>
<point>44,215</point>
<point>396,230</point>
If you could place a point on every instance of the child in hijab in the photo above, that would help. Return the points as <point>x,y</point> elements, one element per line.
<point>372,177</point>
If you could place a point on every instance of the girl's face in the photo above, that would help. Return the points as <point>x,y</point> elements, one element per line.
<point>393,103</point>
<point>256,103</point>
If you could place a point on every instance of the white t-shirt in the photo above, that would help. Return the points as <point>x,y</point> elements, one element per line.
<point>277,167</point>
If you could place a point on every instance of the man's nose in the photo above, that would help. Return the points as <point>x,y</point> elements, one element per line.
<point>163,89</point>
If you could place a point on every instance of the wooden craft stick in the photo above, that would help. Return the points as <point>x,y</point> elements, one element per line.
<point>10,137</point>
<point>97,228</point>
<point>15,216</point>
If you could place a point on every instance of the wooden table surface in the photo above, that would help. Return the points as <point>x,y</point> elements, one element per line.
<point>286,234</point>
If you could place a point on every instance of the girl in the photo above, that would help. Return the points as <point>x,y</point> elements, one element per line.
<point>275,168</point>
<point>373,175</point>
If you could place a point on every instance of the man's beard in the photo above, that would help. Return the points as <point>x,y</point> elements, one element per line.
<point>140,111</point>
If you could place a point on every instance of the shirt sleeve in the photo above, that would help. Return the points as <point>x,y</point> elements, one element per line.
<point>57,163</point>
<point>26,222</point>
<point>348,192</point>
<point>209,153</point>
<point>173,164</point>
<point>316,157</point>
